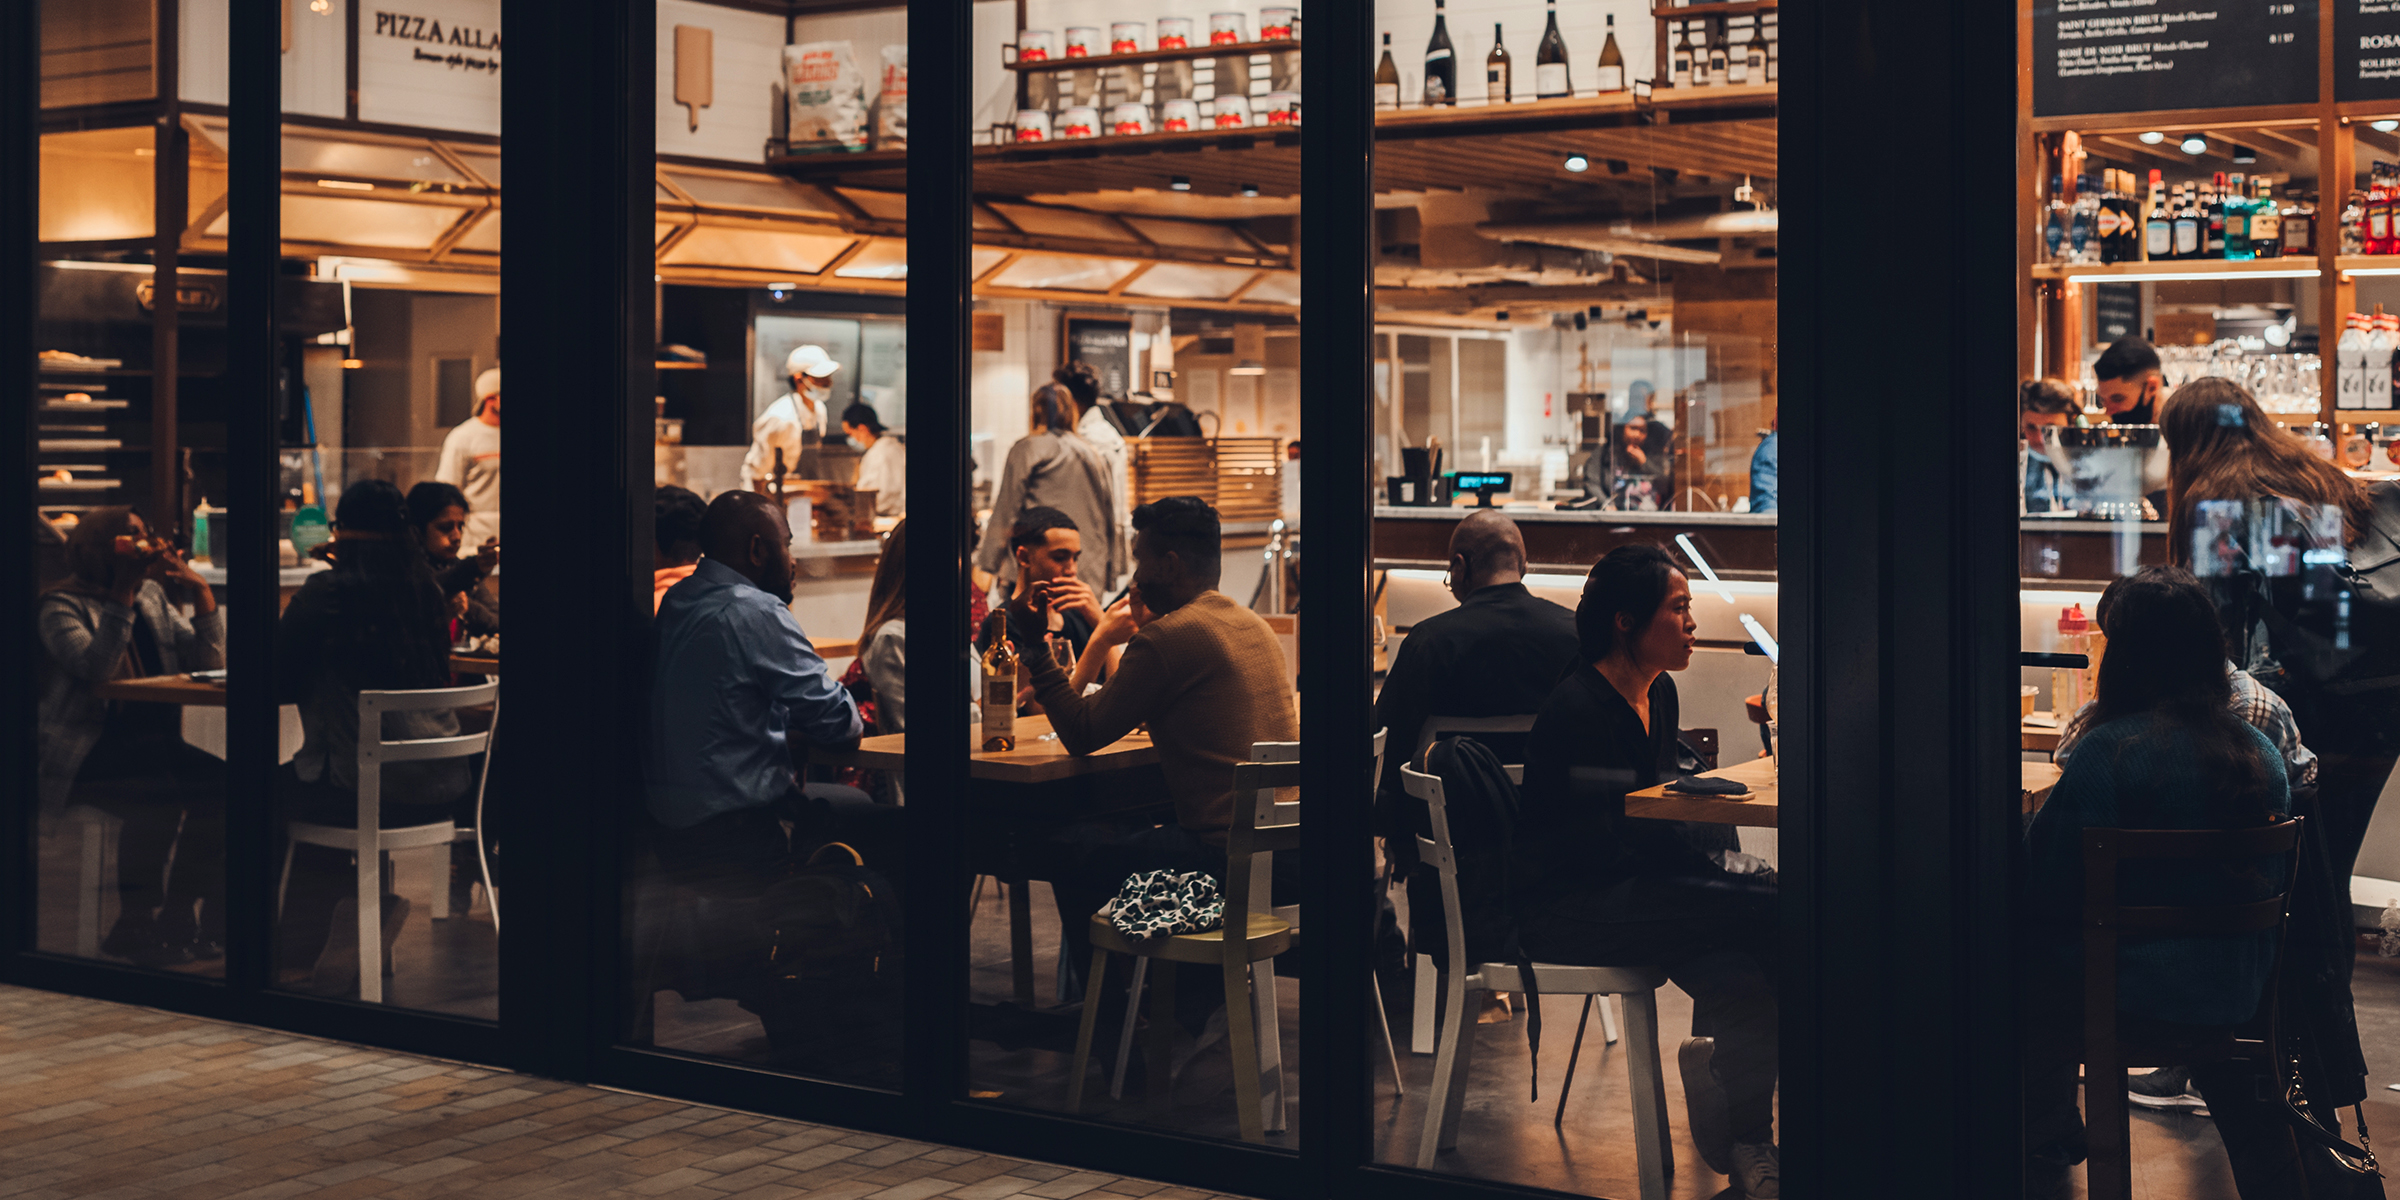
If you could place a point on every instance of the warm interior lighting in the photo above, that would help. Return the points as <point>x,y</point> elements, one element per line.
<point>352,364</point>
<point>1180,183</point>
<point>2195,144</point>
<point>1248,366</point>
<point>1250,190</point>
<point>1578,163</point>
<point>2385,126</point>
<point>2352,274</point>
<point>345,185</point>
<point>2153,138</point>
<point>2198,276</point>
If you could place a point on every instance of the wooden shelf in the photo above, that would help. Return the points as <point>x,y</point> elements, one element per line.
<point>1480,118</point>
<point>1721,8</point>
<point>2200,268</point>
<point>1138,57</point>
<point>2378,263</point>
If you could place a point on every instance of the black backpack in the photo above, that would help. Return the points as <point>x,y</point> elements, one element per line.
<point>834,967</point>
<point>1481,802</point>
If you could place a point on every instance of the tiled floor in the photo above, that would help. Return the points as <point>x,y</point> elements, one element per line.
<point>105,1100</point>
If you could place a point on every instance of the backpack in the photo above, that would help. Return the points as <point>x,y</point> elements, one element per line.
<point>835,960</point>
<point>1481,802</point>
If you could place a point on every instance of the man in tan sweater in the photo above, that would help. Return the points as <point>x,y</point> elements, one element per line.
<point>1208,678</point>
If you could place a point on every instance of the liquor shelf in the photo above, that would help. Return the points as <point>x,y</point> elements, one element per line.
<point>2190,268</point>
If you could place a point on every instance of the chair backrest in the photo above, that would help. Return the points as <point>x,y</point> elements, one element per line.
<point>1441,854</point>
<point>1436,728</point>
<point>1264,824</point>
<point>374,751</point>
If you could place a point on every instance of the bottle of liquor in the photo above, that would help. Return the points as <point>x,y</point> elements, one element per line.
<point>1550,62</point>
<point>2104,223</point>
<point>1612,61</point>
<point>2266,221</point>
<point>2353,225</point>
<point>1716,54</point>
<point>1737,59</point>
<point>1387,79</point>
<point>2379,210</point>
<point>1754,53</point>
<point>999,685</point>
<point>2299,223</point>
<point>2083,216</point>
<point>1682,74</point>
<point>2212,208</point>
<point>2188,222</point>
<point>1441,63</point>
<point>2158,230</point>
<point>2236,203</point>
<point>1496,80</point>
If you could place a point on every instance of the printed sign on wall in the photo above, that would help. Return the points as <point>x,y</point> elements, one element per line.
<point>2110,56</point>
<point>430,63</point>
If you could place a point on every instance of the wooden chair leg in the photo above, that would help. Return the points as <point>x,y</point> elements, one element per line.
<point>1267,1019</point>
<point>369,893</point>
<point>1241,1037</point>
<point>440,857</point>
<point>1653,1153</point>
<point>1574,1055</point>
<point>1440,1121</point>
<point>1133,1020</point>
<point>1158,1059</point>
<point>1383,1023</point>
<point>1420,1017</point>
<point>1020,939</point>
<point>1083,1035</point>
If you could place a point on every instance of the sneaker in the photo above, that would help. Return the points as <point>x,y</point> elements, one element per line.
<point>1704,1104</point>
<point>2164,1088</point>
<point>1758,1170</point>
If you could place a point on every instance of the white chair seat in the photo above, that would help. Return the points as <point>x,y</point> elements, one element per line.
<point>409,837</point>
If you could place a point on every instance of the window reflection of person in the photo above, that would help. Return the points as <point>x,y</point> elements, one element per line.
<point>117,615</point>
<point>2042,404</point>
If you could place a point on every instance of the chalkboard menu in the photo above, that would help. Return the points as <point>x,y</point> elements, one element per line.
<point>2117,311</point>
<point>1108,346</point>
<point>2109,56</point>
<point>2366,49</point>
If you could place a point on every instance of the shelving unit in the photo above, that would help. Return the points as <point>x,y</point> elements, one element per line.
<point>1141,57</point>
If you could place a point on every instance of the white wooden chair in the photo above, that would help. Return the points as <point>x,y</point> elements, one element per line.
<point>1654,1155</point>
<point>370,843</point>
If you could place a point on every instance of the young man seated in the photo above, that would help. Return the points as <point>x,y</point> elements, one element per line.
<point>1207,677</point>
<point>1050,600</point>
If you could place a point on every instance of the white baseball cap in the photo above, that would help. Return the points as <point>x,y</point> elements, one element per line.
<point>811,361</point>
<point>487,385</point>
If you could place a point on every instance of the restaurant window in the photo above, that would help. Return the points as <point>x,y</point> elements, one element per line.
<point>1574,434</point>
<point>129,411</point>
<point>764,886</point>
<point>2203,258</point>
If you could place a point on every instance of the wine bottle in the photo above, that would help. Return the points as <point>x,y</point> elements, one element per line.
<point>1754,53</point>
<point>1716,56</point>
<point>2212,209</point>
<point>999,685</point>
<point>1550,62</point>
<point>1682,74</point>
<point>1387,79</point>
<point>1496,70</point>
<point>1441,63</point>
<point>2158,231</point>
<point>2236,203</point>
<point>2187,224</point>
<point>1737,64</point>
<point>1612,61</point>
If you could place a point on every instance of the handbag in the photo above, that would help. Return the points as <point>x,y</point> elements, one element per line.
<point>2335,1169</point>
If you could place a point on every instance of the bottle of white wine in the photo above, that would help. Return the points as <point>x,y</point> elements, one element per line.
<point>1716,56</point>
<point>1682,76</point>
<point>1612,60</point>
<point>1754,54</point>
<point>1441,63</point>
<point>1387,79</point>
<point>1496,80</point>
<point>1550,62</point>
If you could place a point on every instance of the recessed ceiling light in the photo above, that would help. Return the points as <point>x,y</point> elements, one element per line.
<point>1180,183</point>
<point>1250,190</point>
<point>2385,126</point>
<point>2153,138</point>
<point>2244,155</point>
<point>1578,163</point>
<point>2195,144</point>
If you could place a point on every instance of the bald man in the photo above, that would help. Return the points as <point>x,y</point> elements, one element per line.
<point>738,689</point>
<point>1497,654</point>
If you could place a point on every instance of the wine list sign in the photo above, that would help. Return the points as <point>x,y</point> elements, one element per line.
<point>2122,56</point>
<point>430,63</point>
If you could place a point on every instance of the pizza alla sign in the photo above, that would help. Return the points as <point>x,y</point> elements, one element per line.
<point>457,38</point>
<point>432,64</point>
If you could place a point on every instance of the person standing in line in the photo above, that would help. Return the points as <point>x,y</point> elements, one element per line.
<point>470,461</point>
<point>882,460</point>
<point>1054,468</point>
<point>795,422</point>
<point>1097,425</point>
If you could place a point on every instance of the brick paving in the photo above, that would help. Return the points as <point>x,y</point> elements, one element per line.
<point>101,1100</point>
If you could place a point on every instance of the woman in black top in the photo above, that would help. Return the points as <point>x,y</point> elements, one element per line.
<point>1599,888</point>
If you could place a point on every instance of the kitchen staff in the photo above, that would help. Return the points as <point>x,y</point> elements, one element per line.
<point>2129,382</point>
<point>795,423</point>
<point>470,460</point>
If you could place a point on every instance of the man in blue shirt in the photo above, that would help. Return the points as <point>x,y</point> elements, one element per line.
<point>1763,472</point>
<point>738,688</point>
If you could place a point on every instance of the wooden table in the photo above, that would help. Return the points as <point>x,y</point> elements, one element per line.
<point>475,664</point>
<point>1759,808</point>
<point>165,689</point>
<point>1033,761</point>
<point>2042,738</point>
<point>835,648</point>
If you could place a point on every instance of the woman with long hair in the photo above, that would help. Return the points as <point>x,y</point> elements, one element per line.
<point>1054,467</point>
<point>116,615</point>
<point>376,621</point>
<point>2164,751</point>
<point>437,515</point>
<point>883,640</point>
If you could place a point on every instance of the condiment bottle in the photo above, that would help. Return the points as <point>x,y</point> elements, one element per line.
<point>2068,685</point>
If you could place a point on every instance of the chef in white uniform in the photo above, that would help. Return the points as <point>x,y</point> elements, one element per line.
<point>795,423</point>
<point>470,460</point>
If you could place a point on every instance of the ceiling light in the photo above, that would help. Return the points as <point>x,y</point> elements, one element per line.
<point>1248,366</point>
<point>2195,144</point>
<point>2153,138</point>
<point>1578,163</point>
<point>352,364</point>
<point>1180,183</point>
<point>2244,155</point>
<point>2196,276</point>
<point>344,185</point>
<point>2385,126</point>
<point>1250,190</point>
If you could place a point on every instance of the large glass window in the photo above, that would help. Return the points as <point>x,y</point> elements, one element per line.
<point>768,869</point>
<point>1574,432</point>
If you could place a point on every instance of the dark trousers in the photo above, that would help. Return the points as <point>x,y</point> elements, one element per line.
<point>1715,936</point>
<point>2348,785</point>
<point>171,847</point>
<point>2266,1163</point>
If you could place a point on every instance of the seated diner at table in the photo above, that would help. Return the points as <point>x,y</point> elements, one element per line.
<point>1208,678</point>
<point>437,512</point>
<point>1597,888</point>
<point>1048,599</point>
<point>675,514</point>
<point>119,614</point>
<point>2164,751</point>
<point>377,621</point>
